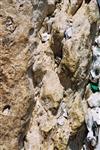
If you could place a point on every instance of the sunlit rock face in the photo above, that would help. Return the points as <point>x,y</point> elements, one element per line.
<point>45,58</point>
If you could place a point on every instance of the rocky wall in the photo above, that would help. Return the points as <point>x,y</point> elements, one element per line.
<point>45,57</point>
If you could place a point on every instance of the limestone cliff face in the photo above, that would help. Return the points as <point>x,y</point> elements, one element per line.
<point>45,57</point>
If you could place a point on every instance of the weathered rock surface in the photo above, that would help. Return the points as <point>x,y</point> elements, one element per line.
<point>74,6</point>
<point>76,113</point>
<point>51,87</point>
<point>43,74</point>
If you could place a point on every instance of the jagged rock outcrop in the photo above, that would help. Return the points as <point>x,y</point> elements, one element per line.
<point>45,57</point>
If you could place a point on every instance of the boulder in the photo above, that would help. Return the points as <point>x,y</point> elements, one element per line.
<point>51,87</point>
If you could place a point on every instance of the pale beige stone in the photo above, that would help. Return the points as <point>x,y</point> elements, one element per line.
<point>76,113</point>
<point>51,87</point>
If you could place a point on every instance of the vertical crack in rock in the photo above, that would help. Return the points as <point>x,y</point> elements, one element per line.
<point>76,141</point>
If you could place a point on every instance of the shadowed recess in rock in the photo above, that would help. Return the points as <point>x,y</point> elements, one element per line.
<point>87,1</point>
<point>31,31</point>
<point>56,46</point>
<point>93,31</point>
<point>6,109</point>
<point>65,78</point>
<point>76,141</point>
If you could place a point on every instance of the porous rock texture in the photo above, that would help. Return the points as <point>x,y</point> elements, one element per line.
<point>43,76</point>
